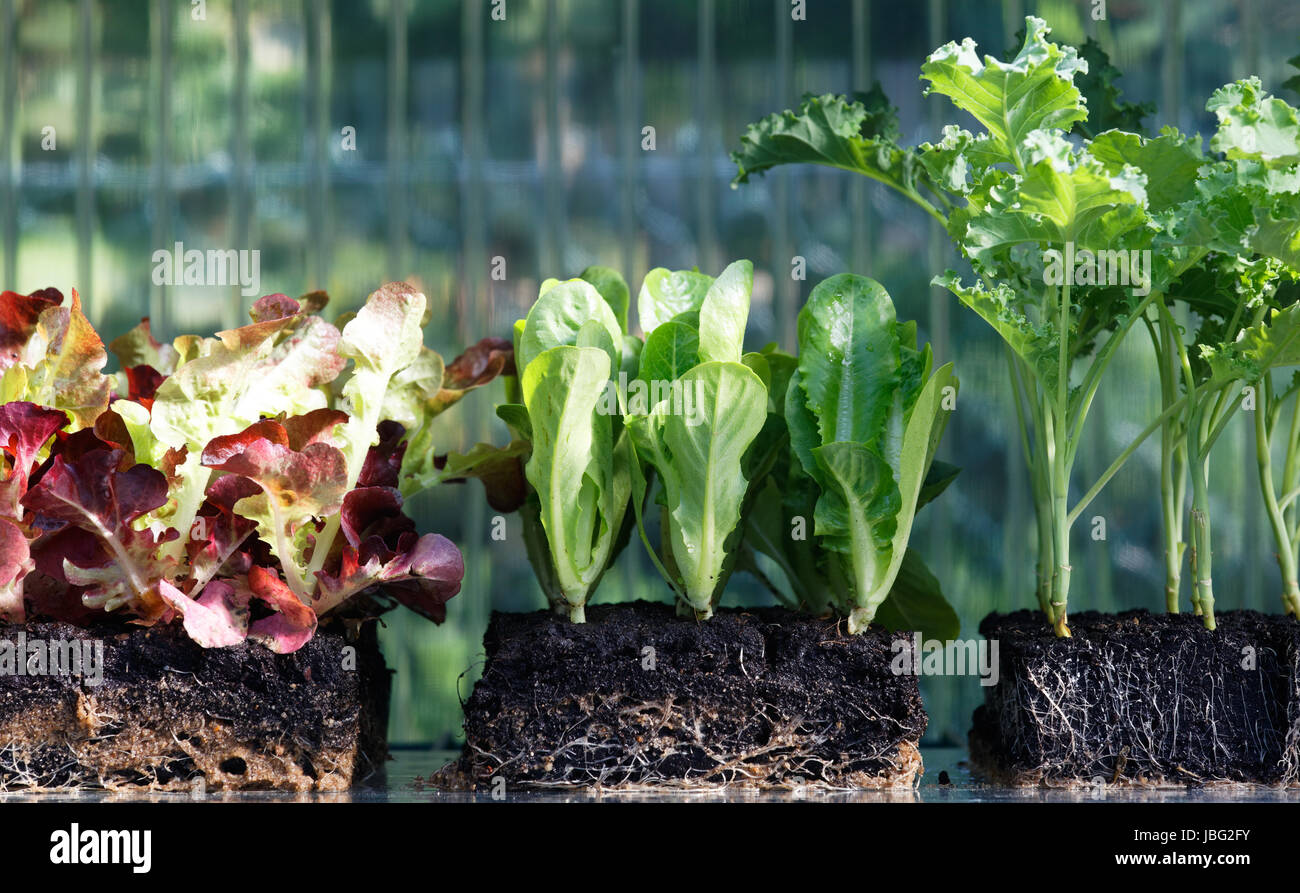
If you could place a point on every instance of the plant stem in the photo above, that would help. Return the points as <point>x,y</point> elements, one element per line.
<point>292,573</point>
<point>1045,560</point>
<point>863,565</point>
<point>1286,559</point>
<point>1201,545</point>
<point>1060,537</point>
<point>1091,380</point>
<point>1202,554</point>
<point>1034,463</point>
<point>1211,410</point>
<point>1290,473</point>
<point>1173,463</point>
<point>1060,459</point>
<point>1174,483</point>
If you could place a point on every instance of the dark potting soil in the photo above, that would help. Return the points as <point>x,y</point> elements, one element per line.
<point>637,696</point>
<point>168,714</point>
<point>1142,698</point>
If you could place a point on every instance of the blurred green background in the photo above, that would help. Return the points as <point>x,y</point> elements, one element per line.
<point>220,124</point>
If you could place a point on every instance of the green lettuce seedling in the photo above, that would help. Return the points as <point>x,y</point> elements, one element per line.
<point>865,416</point>
<point>706,407</point>
<point>569,352</point>
<point>713,442</point>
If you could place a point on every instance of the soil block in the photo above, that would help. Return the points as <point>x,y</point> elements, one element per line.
<point>166,714</point>
<point>1141,698</point>
<point>637,697</point>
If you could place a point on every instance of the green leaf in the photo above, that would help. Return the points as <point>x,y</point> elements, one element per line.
<point>849,358</point>
<point>699,458</point>
<point>145,446</point>
<point>571,313</point>
<point>1254,125</point>
<point>757,363</point>
<point>1065,196</point>
<point>383,339</point>
<point>1034,91</point>
<point>1273,343</point>
<point>999,306</point>
<point>724,314</point>
<point>613,288</point>
<point>937,479</point>
<point>781,366</point>
<point>670,350</point>
<point>413,390</point>
<point>1171,163</point>
<point>802,424</point>
<point>630,366</point>
<point>515,415</point>
<point>768,532</point>
<point>665,294</point>
<point>920,442</point>
<point>952,161</point>
<point>640,490</point>
<point>1200,289</point>
<point>916,603</point>
<point>1245,207</point>
<point>581,481</point>
<point>1278,236</point>
<point>857,513</point>
<point>538,550</point>
<point>858,135</point>
<point>1293,83</point>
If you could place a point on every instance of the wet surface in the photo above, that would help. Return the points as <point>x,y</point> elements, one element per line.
<point>947,779</point>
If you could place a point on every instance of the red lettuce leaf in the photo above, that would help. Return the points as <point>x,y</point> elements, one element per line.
<point>316,426</point>
<point>47,598</point>
<point>291,625</point>
<point>218,618</point>
<point>480,364</point>
<point>15,564</point>
<point>374,511</point>
<point>143,382</point>
<point>477,366</point>
<point>297,488</point>
<point>18,317</point>
<point>64,360</point>
<point>272,307</point>
<point>219,534</point>
<point>24,429</point>
<point>93,496</point>
<point>383,465</point>
<point>422,573</point>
